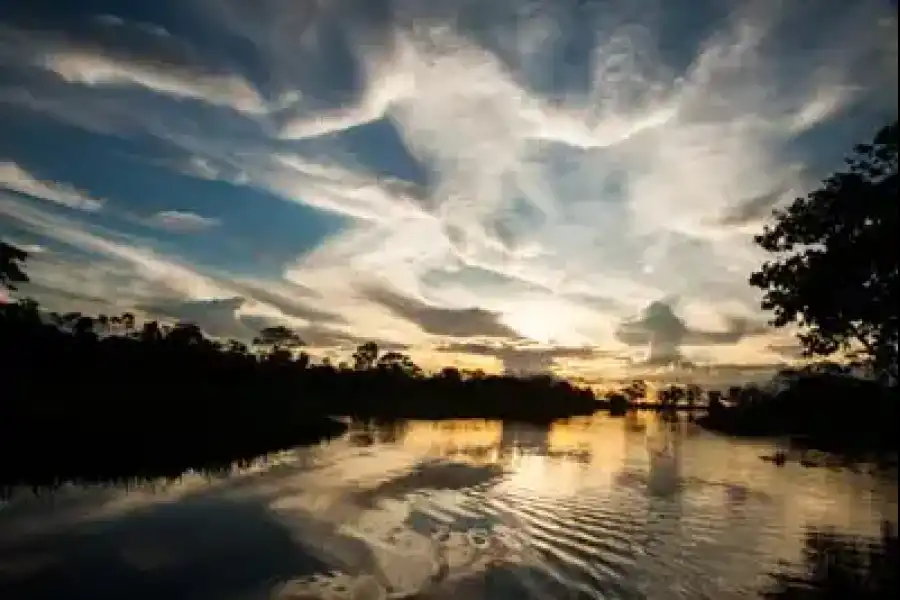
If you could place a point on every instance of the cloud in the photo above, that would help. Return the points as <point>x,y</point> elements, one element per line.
<point>119,54</point>
<point>521,359</point>
<point>64,281</point>
<point>16,179</point>
<point>664,333</point>
<point>290,299</point>
<point>27,247</point>
<point>234,318</point>
<point>576,169</point>
<point>439,321</point>
<point>98,70</point>
<point>169,274</point>
<point>217,317</point>
<point>753,210</point>
<point>179,221</point>
<point>121,276</point>
<point>787,350</point>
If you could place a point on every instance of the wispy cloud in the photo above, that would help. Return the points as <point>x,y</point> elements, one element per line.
<point>180,221</point>
<point>576,169</point>
<point>168,273</point>
<point>15,178</point>
<point>98,70</point>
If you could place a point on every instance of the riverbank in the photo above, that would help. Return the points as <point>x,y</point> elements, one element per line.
<point>51,451</point>
<point>99,397</point>
<point>832,413</point>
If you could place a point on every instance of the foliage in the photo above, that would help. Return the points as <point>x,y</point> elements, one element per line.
<point>12,261</point>
<point>365,356</point>
<point>277,338</point>
<point>836,271</point>
<point>152,397</point>
<point>825,410</point>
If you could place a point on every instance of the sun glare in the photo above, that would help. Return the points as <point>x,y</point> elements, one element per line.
<point>541,323</point>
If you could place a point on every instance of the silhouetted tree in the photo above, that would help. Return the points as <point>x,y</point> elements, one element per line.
<point>159,397</point>
<point>714,403</point>
<point>366,356</point>
<point>636,391</point>
<point>278,338</point>
<point>12,264</point>
<point>151,333</point>
<point>398,362</point>
<point>185,335</point>
<point>670,395</point>
<point>693,393</point>
<point>450,374</point>
<point>127,320</point>
<point>618,404</point>
<point>837,271</point>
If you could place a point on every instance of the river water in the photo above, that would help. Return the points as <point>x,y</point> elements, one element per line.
<point>594,507</point>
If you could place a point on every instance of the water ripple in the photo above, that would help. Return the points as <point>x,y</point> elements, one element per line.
<point>636,513</point>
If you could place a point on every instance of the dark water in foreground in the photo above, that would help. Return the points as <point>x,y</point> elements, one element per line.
<point>588,508</point>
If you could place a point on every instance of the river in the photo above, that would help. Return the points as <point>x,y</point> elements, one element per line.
<point>595,507</point>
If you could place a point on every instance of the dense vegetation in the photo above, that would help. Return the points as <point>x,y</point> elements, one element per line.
<point>836,275</point>
<point>100,396</point>
<point>835,271</point>
<point>821,407</point>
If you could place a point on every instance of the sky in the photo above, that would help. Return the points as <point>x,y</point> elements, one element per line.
<point>567,186</point>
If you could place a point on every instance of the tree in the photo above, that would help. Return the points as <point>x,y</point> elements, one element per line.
<point>397,362</point>
<point>670,396</point>
<point>12,266</point>
<point>185,335</point>
<point>836,271</point>
<point>693,393</point>
<point>450,374</point>
<point>278,338</point>
<point>84,327</point>
<point>366,356</point>
<point>636,391</point>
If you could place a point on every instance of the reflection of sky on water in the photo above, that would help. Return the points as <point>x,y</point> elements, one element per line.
<point>455,509</point>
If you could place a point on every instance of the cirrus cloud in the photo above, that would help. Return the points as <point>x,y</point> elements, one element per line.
<point>573,162</point>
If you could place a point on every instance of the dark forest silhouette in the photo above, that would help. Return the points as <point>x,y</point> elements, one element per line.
<point>836,272</point>
<point>97,397</point>
<point>836,275</point>
<point>822,406</point>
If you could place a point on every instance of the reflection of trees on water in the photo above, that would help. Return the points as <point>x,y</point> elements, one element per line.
<point>839,566</point>
<point>524,438</point>
<point>664,473</point>
<point>660,533</point>
<point>369,433</point>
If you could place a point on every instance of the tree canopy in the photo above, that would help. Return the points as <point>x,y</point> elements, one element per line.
<point>12,260</point>
<point>836,270</point>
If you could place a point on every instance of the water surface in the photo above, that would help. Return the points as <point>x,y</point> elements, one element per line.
<point>594,507</point>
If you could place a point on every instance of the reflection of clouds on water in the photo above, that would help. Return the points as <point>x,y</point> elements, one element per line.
<point>648,509</point>
<point>409,560</point>
<point>432,475</point>
<point>136,556</point>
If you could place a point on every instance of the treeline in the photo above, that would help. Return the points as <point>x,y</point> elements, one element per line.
<point>107,356</point>
<point>825,408</point>
<point>99,393</point>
